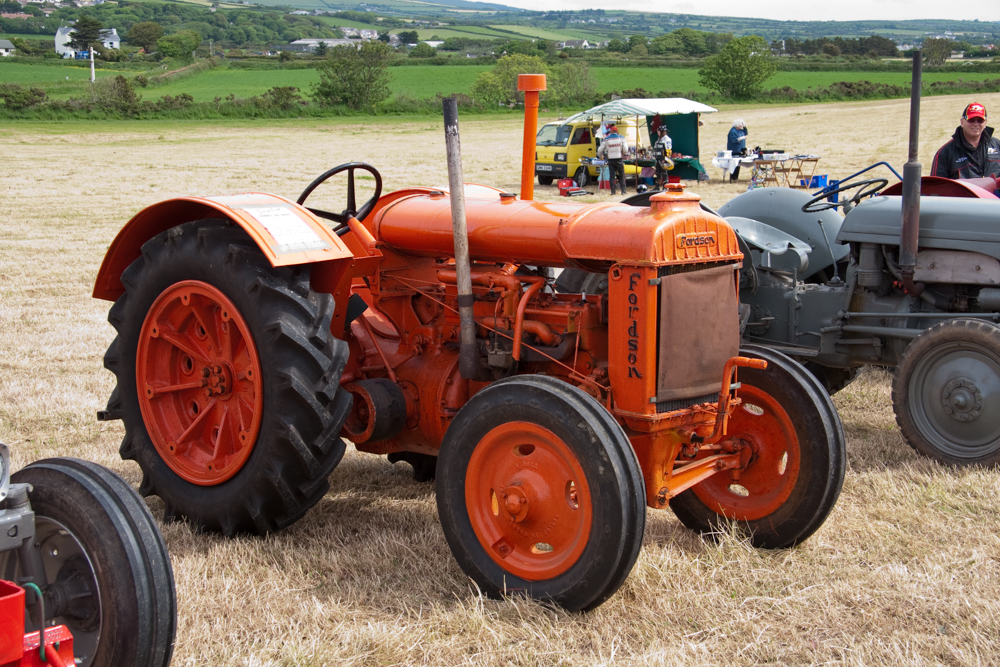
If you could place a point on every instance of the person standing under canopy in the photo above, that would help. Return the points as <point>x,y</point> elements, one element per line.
<point>615,147</point>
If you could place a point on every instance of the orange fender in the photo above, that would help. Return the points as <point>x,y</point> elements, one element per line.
<point>286,233</point>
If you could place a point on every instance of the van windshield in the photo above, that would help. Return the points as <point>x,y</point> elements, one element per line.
<point>553,135</point>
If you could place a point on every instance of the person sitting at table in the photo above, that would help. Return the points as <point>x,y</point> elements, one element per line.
<point>737,143</point>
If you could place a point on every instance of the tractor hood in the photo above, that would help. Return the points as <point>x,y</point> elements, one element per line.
<point>953,223</point>
<point>672,230</point>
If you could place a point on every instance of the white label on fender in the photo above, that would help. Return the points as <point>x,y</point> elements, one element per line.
<point>292,233</point>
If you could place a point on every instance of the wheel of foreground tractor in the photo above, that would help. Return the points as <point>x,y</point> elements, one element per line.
<point>946,393</point>
<point>832,379</point>
<point>544,180</point>
<point>539,492</point>
<point>228,380</point>
<point>796,469</point>
<point>109,574</point>
<point>582,177</point>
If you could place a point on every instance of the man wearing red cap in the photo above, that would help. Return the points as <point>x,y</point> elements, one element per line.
<point>616,148</point>
<point>972,152</point>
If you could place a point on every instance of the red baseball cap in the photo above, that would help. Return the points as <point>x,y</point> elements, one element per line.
<point>975,110</point>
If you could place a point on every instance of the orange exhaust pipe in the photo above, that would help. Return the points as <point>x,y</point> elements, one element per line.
<point>529,84</point>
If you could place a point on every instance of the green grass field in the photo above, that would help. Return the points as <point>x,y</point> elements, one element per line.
<point>540,33</point>
<point>421,81</point>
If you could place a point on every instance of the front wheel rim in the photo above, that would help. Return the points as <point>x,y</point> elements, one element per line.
<point>199,383</point>
<point>954,394</point>
<point>772,472</point>
<point>528,501</point>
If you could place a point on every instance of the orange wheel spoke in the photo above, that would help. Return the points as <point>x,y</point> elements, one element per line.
<point>188,347</point>
<point>202,395</point>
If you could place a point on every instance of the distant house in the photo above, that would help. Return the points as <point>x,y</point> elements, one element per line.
<point>435,43</point>
<point>62,40</point>
<point>109,38</point>
<point>300,12</point>
<point>574,44</point>
<point>6,48</point>
<point>309,45</point>
<point>18,15</point>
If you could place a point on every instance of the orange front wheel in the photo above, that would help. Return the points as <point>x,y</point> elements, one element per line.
<point>795,459</point>
<point>539,492</point>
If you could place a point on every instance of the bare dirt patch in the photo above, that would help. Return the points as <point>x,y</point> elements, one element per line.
<point>905,570</point>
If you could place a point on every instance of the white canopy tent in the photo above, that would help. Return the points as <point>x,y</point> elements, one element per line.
<point>664,106</point>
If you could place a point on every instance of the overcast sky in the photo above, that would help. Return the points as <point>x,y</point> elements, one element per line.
<point>796,10</point>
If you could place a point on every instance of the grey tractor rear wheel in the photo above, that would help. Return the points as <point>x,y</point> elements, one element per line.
<point>109,574</point>
<point>214,342</point>
<point>946,393</point>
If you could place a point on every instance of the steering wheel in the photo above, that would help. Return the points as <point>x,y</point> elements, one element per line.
<point>351,210</point>
<point>813,205</point>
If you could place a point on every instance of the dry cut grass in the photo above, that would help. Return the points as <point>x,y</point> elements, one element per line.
<point>906,570</point>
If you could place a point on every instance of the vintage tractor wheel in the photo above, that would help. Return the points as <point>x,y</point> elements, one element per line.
<point>109,574</point>
<point>544,180</point>
<point>539,492</point>
<point>946,393</point>
<point>228,380</point>
<point>796,468</point>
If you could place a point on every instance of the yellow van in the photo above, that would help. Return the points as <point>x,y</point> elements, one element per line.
<point>559,147</point>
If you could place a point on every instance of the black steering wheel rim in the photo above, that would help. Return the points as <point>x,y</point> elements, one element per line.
<point>351,210</point>
<point>877,183</point>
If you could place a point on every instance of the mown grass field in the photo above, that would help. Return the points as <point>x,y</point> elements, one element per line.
<point>424,81</point>
<point>905,571</point>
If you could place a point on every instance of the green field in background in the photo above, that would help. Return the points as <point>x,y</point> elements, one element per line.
<point>423,81</point>
<point>541,33</point>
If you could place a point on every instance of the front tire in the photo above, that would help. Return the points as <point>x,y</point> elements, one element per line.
<point>794,477</point>
<point>109,574</point>
<point>228,380</point>
<point>539,492</point>
<point>544,180</point>
<point>582,177</point>
<point>946,393</point>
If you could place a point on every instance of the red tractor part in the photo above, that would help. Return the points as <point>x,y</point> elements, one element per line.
<point>20,649</point>
<point>550,420</point>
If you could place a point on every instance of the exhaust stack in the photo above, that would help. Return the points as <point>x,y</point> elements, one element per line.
<point>909,232</point>
<point>530,85</point>
<point>468,355</point>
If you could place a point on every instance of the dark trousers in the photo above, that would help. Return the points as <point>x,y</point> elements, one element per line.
<point>661,175</point>
<point>617,170</point>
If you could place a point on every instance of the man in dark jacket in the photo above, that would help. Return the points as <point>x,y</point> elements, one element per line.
<point>972,152</point>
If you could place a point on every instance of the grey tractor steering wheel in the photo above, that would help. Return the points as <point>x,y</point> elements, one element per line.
<point>814,205</point>
<point>352,209</point>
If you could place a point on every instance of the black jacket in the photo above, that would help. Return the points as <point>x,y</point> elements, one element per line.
<point>957,159</point>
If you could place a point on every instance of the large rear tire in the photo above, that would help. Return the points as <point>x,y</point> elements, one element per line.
<point>539,492</point>
<point>228,380</point>
<point>794,477</point>
<point>109,574</point>
<point>946,393</point>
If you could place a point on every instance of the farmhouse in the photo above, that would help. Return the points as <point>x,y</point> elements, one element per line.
<point>109,38</point>
<point>305,45</point>
<point>6,48</point>
<point>574,44</point>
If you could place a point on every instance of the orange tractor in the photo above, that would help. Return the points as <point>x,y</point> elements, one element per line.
<point>254,333</point>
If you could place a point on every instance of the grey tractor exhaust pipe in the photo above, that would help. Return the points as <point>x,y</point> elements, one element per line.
<point>909,232</point>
